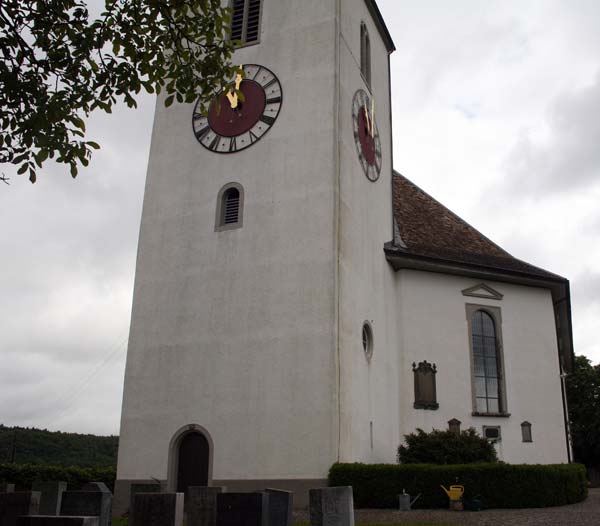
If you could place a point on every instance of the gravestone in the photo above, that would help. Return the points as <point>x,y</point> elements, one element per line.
<point>96,486</point>
<point>46,520</point>
<point>202,505</point>
<point>5,487</point>
<point>159,509</point>
<point>140,488</point>
<point>13,505</point>
<point>280,507</point>
<point>87,504</point>
<point>331,506</point>
<point>242,509</point>
<point>51,499</point>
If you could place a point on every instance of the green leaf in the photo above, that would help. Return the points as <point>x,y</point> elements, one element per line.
<point>169,100</point>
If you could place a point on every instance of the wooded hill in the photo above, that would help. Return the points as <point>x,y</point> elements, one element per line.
<point>39,446</point>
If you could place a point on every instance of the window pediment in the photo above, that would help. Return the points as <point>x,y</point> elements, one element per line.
<point>483,291</point>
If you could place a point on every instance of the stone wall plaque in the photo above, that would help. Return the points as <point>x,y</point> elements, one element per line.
<point>280,507</point>
<point>159,509</point>
<point>87,504</point>
<point>202,505</point>
<point>5,487</point>
<point>46,520</point>
<point>51,498</point>
<point>243,509</point>
<point>13,505</point>
<point>331,506</point>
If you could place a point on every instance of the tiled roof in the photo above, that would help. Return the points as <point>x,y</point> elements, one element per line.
<point>427,229</point>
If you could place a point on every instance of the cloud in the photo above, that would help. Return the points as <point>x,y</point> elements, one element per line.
<point>569,158</point>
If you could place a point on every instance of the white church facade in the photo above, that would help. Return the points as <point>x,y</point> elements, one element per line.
<point>298,303</point>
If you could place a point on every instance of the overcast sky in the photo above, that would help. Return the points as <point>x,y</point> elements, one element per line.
<point>496,114</point>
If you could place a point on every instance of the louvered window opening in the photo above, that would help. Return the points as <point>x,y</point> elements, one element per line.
<point>365,54</point>
<point>245,21</point>
<point>231,208</point>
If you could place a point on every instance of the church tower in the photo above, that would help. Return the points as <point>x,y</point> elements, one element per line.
<point>262,336</point>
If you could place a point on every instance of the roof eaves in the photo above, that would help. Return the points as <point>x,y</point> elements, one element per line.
<point>380,23</point>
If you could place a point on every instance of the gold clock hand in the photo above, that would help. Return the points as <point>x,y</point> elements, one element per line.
<point>372,117</point>
<point>232,95</point>
<point>367,117</point>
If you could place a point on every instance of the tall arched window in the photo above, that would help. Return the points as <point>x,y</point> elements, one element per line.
<point>486,364</point>
<point>365,53</point>
<point>230,205</point>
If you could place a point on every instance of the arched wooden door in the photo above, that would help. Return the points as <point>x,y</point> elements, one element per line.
<point>193,459</point>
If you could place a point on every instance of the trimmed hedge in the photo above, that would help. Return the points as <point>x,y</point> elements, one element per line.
<point>23,475</point>
<point>499,485</point>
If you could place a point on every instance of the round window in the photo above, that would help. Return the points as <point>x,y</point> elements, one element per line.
<point>367,340</point>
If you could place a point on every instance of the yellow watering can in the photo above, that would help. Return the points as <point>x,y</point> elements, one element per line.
<point>455,492</point>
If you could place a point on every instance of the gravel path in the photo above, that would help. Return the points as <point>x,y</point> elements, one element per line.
<point>586,513</point>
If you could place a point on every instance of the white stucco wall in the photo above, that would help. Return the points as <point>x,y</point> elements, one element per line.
<point>368,389</point>
<point>433,326</point>
<point>235,330</point>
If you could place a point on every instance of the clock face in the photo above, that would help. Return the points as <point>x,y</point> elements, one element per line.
<point>366,135</point>
<point>234,124</point>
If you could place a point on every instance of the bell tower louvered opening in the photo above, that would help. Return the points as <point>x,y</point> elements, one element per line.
<point>245,21</point>
<point>231,206</point>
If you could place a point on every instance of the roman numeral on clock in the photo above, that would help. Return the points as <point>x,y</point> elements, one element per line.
<point>274,100</point>
<point>269,84</point>
<point>233,144</point>
<point>202,132</point>
<point>267,120</point>
<point>214,145</point>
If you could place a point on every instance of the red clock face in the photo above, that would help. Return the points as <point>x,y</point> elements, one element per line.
<point>366,135</point>
<point>229,127</point>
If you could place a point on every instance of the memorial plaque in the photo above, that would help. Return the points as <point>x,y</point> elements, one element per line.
<point>87,504</point>
<point>201,506</point>
<point>51,498</point>
<point>242,509</point>
<point>159,509</point>
<point>13,505</point>
<point>280,507</point>
<point>46,520</point>
<point>134,489</point>
<point>331,506</point>
<point>5,487</point>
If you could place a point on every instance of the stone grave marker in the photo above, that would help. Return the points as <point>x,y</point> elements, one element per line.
<point>159,509</point>
<point>13,505</point>
<point>331,506</point>
<point>87,504</point>
<point>202,505</point>
<point>280,507</point>
<point>52,493</point>
<point>134,489</point>
<point>47,520</point>
<point>96,486</point>
<point>243,509</point>
<point>5,487</point>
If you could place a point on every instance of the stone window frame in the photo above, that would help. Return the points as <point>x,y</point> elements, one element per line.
<point>244,36</point>
<point>365,54</point>
<point>220,225</point>
<point>498,428</point>
<point>496,314</point>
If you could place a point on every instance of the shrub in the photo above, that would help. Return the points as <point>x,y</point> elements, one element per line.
<point>23,475</point>
<point>499,485</point>
<point>446,447</point>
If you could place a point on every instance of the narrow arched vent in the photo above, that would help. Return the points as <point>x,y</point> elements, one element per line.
<point>231,206</point>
